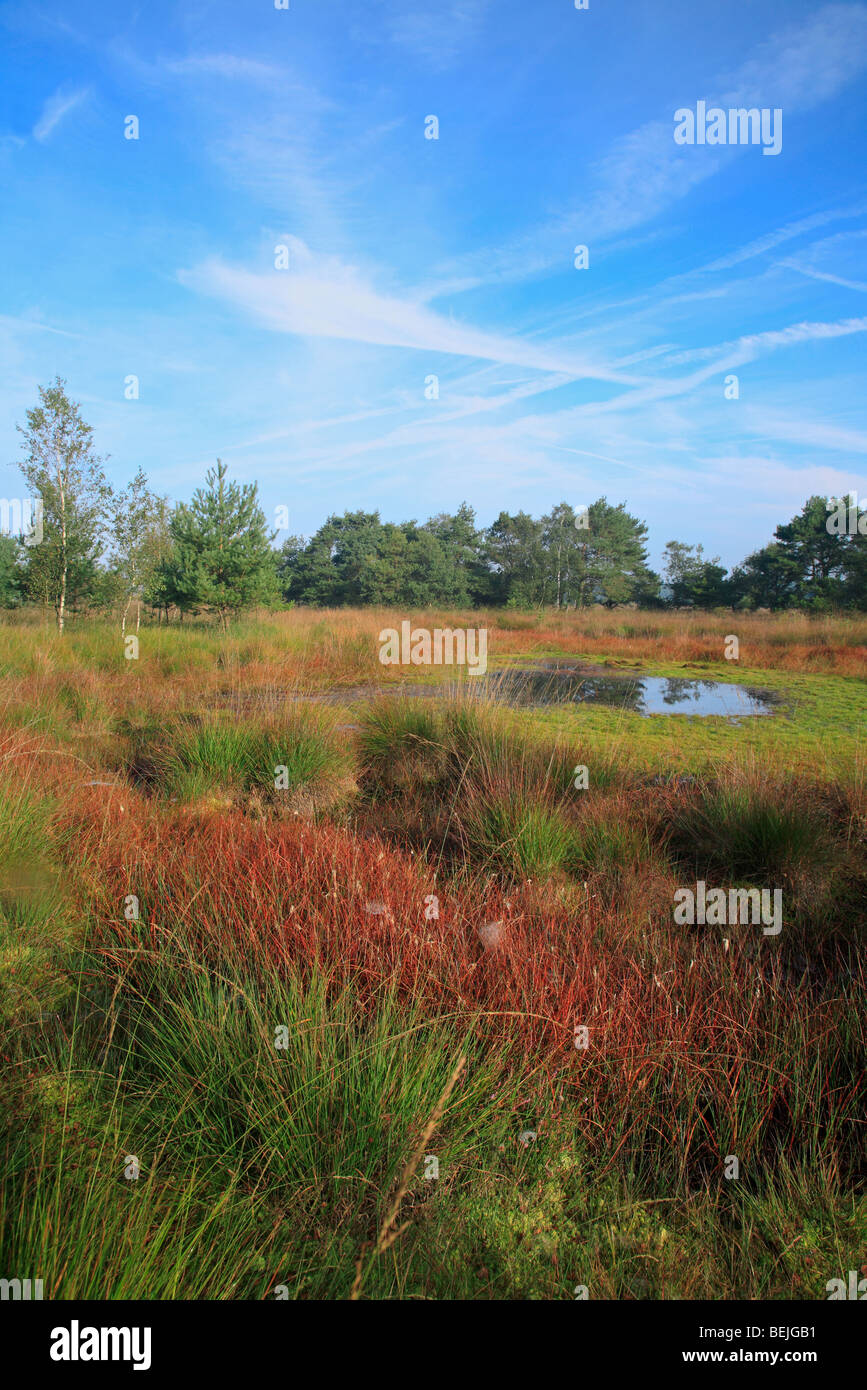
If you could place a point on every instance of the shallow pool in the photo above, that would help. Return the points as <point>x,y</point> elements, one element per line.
<point>639,694</point>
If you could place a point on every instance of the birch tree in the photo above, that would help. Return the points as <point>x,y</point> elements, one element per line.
<point>63,471</point>
<point>139,528</point>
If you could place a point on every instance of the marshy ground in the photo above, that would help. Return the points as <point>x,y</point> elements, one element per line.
<point>427,883</point>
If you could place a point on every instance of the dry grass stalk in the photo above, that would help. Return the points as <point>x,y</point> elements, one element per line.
<point>388,1232</point>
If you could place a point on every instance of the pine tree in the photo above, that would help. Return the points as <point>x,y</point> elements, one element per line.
<point>694,580</point>
<point>515,552</point>
<point>612,564</point>
<point>815,556</point>
<point>10,573</point>
<point>468,577</point>
<point>222,558</point>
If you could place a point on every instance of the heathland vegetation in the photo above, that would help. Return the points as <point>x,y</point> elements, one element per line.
<point>311,987</point>
<point>255,998</point>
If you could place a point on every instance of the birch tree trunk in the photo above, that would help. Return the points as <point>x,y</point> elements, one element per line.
<point>64,563</point>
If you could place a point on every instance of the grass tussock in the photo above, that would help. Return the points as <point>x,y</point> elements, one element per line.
<point>282,765</point>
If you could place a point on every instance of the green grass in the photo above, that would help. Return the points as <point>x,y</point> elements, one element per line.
<point>266,1168</point>
<point>819,725</point>
<point>248,1152</point>
<point>200,758</point>
<point>752,831</point>
<point>34,916</point>
<point>190,757</point>
<point>526,840</point>
<point>610,845</point>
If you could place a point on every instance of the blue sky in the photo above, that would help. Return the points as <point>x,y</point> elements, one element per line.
<point>453,257</point>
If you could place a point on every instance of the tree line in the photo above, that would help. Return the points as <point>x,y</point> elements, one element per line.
<point>101,548</point>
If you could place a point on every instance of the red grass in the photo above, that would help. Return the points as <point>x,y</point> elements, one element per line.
<point>676,1028</point>
<point>690,1050</point>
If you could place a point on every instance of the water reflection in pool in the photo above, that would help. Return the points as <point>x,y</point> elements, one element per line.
<point>638,694</point>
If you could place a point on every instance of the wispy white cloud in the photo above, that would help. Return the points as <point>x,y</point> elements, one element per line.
<point>782,485</point>
<point>436,33</point>
<point>814,274</point>
<point>805,63</point>
<point>226,65</point>
<point>727,357</point>
<point>56,108</point>
<point>644,172</point>
<point>795,429</point>
<point>752,345</point>
<point>327,299</point>
<point>11,321</point>
<point>769,242</point>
